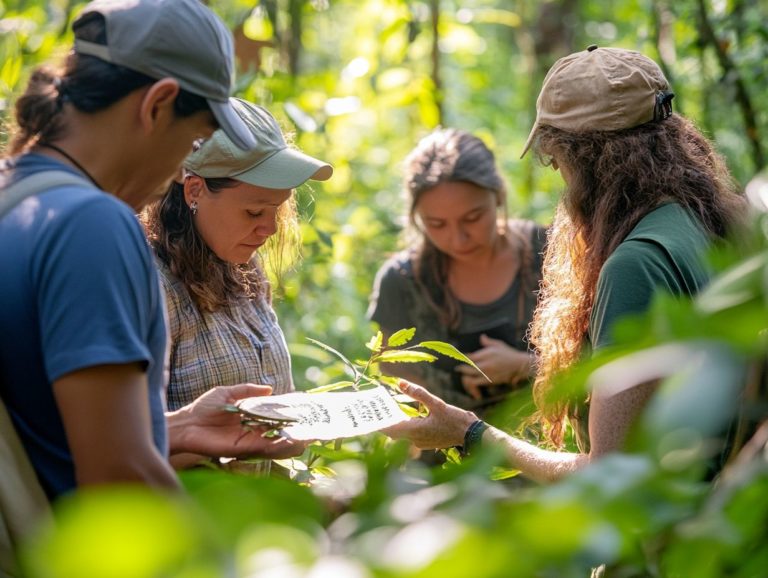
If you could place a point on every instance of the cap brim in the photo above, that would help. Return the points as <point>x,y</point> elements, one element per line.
<point>231,123</point>
<point>531,136</point>
<point>286,169</point>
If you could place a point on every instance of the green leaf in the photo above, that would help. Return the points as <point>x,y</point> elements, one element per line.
<point>375,343</point>
<point>401,356</point>
<point>323,471</point>
<point>389,381</point>
<point>401,337</point>
<point>499,473</point>
<point>331,386</point>
<point>337,354</point>
<point>410,411</point>
<point>450,351</point>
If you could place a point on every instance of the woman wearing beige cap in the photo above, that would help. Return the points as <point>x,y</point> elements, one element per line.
<point>208,233</point>
<point>645,196</point>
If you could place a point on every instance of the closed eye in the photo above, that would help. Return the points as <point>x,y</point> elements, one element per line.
<point>255,214</point>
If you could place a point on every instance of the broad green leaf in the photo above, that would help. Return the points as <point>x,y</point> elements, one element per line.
<point>401,356</point>
<point>401,337</point>
<point>450,351</point>
<point>389,381</point>
<point>331,386</point>
<point>375,343</point>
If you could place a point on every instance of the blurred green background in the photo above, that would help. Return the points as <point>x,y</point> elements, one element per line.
<point>358,82</point>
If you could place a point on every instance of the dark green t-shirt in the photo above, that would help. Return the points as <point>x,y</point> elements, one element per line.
<point>664,252</point>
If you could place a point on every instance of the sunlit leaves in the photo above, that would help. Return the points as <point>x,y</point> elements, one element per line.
<point>401,337</point>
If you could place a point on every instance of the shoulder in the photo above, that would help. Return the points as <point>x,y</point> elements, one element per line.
<point>398,269</point>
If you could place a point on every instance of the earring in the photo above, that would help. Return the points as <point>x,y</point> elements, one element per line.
<point>193,208</point>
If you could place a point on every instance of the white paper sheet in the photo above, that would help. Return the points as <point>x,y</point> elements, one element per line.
<point>330,415</point>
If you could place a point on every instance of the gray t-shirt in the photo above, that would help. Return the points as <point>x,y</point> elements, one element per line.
<point>398,302</point>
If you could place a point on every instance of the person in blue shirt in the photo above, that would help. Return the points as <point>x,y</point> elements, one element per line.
<point>83,354</point>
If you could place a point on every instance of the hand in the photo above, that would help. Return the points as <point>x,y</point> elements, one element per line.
<point>499,361</point>
<point>204,427</point>
<point>444,427</point>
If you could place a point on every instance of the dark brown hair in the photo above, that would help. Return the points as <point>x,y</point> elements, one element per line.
<point>212,282</point>
<point>615,179</point>
<point>444,156</point>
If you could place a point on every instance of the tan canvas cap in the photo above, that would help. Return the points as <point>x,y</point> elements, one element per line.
<point>270,163</point>
<point>180,39</point>
<point>600,89</point>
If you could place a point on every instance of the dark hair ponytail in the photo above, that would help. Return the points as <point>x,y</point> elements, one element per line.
<point>87,83</point>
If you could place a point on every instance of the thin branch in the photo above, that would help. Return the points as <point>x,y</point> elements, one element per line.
<point>731,73</point>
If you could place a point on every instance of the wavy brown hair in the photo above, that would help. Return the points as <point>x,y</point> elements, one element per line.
<point>212,282</point>
<point>615,179</point>
<point>445,156</point>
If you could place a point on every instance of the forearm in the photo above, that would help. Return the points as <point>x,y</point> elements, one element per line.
<point>106,418</point>
<point>535,463</point>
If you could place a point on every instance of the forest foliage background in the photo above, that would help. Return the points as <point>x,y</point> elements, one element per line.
<point>358,82</point>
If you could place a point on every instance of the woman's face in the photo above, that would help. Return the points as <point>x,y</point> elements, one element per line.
<point>234,222</point>
<point>459,218</point>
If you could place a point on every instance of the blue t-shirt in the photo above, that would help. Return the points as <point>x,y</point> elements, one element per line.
<point>78,288</point>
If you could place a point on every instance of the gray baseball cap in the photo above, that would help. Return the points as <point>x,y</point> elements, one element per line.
<point>180,39</point>
<point>270,163</point>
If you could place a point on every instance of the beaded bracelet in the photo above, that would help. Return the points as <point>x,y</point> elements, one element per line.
<point>473,436</point>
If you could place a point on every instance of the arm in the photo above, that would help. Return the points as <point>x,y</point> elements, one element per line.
<point>106,417</point>
<point>446,425</point>
<point>203,427</point>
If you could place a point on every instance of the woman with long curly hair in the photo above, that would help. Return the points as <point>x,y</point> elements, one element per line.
<point>645,197</point>
<point>208,231</point>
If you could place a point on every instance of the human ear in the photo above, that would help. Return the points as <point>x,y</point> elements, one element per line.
<point>156,108</point>
<point>194,186</point>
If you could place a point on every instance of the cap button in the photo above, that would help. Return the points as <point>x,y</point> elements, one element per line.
<point>591,47</point>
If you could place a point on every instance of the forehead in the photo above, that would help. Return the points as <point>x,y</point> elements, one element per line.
<point>453,198</point>
<point>255,195</point>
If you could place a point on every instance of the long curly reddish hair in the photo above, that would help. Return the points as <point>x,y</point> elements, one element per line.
<point>615,179</point>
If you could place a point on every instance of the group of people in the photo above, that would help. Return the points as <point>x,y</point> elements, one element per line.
<point>119,353</point>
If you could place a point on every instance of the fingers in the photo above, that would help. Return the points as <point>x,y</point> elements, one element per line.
<point>243,390</point>
<point>465,369</point>
<point>473,390</point>
<point>419,394</point>
<point>485,341</point>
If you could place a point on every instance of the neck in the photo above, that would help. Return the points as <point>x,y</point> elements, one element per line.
<point>89,145</point>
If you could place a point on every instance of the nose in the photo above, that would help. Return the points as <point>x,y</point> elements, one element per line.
<point>460,237</point>
<point>267,226</point>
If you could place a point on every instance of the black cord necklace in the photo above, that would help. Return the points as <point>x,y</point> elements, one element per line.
<point>69,157</point>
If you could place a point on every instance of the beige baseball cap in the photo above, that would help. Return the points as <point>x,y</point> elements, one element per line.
<point>180,39</point>
<point>269,163</point>
<point>601,89</point>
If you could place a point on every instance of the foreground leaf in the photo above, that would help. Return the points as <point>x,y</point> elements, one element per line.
<point>401,337</point>
<point>450,351</point>
<point>400,356</point>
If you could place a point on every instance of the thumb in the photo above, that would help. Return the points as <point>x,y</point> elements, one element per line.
<point>243,390</point>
